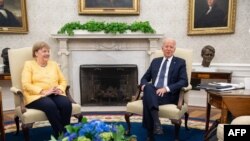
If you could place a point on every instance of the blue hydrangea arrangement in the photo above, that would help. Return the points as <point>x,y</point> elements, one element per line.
<point>94,130</point>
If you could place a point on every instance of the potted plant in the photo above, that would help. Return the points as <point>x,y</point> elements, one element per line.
<point>94,130</point>
<point>109,28</point>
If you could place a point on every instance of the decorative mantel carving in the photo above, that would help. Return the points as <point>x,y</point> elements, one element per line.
<point>100,42</point>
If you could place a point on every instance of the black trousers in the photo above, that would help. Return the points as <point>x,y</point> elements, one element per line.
<point>151,102</point>
<point>58,110</point>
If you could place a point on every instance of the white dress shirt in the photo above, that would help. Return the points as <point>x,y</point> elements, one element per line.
<point>166,74</point>
<point>3,12</point>
<point>209,10</point>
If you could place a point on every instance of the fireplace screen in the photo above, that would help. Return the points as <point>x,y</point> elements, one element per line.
<point>111,85</point>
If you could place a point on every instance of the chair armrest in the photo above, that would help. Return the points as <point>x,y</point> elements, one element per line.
<point>17,92</point>
<point>185,89</point>
<point>181,96</point>
<point>68,94</point>
<point>245,120</point>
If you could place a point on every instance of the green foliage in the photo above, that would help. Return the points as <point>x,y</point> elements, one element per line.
<point>116,27</point>
<point>69,27</point>
<point>113,27</point>
<point>84,120</point>
<point>141,26</point>
<point>94,26</point>
<point>52,138</point>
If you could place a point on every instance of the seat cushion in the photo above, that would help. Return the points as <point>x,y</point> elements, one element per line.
<point>241,120</point>
<point>76,109</point>
<point>220,132</point>
<point>33,115</point>
<point>165,111</point>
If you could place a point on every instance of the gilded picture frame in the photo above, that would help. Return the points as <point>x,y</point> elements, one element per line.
<point>109,7</point>
<point>13,16</point>
<point>220,19</point>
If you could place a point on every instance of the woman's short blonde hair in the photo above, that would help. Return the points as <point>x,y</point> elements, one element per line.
<point>39,45</point>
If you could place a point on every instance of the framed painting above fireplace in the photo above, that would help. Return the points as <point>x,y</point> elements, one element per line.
<point>100,7</point>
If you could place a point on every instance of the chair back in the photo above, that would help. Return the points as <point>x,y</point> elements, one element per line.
<point>17,57</point>
<point>186,54</point>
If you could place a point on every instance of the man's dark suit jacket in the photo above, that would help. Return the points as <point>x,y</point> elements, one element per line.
<point>177,76</point>
<point>215,18</point>
<point>10,21</point>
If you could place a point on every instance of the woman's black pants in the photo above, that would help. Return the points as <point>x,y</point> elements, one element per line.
<point>57,109</point>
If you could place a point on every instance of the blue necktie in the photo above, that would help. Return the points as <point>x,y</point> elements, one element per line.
<point>160,82</point>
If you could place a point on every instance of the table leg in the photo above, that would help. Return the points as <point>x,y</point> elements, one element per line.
<point>207,116</point>
<point>224,113</point>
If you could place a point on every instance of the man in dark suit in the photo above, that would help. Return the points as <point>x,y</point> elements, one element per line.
<point>213,16</point>
<point>7,18</point>
<point>167,80</point>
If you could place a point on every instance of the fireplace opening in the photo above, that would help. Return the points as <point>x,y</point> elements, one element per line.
<point>108,85</point>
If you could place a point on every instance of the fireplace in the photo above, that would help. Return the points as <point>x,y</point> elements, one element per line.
<point>88,49</point>
<point>108,85</point>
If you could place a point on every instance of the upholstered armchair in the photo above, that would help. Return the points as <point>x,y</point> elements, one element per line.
<point>241,120</point>
<point>170,111</point>
<point>28,117</point>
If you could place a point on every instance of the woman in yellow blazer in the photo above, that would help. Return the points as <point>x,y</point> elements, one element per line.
<point>44,88</point>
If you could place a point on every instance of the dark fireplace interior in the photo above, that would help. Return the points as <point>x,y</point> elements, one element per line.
<point>108,85</point>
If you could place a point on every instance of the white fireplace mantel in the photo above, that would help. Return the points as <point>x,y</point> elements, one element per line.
<point>65,41</point>
<point>100,49</point>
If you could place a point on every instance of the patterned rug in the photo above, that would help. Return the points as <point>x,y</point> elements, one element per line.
<point>192,123</point>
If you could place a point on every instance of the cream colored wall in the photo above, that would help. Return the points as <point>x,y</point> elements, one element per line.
<point>169,17</point>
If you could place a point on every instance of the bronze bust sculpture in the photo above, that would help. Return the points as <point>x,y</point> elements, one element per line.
<point>207,53</point>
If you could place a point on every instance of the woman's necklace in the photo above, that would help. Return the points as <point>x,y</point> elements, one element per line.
<point>42,64</point>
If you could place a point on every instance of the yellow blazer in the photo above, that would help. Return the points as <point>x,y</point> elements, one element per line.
<point>36,78</point>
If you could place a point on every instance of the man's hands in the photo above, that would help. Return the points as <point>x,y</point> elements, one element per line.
<point>54,90</point>
<point>160,92</point>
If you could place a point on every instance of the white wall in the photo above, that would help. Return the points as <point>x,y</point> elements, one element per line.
<point>169,17</point>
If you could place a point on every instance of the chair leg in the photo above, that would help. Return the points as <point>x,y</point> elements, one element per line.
<point>177,124</point>
<point>127,118</point>
<point>186,120</point>
<point>25,128</point>
<point>79,116</point>
<point>17,124</point>
<point>211,130</point>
